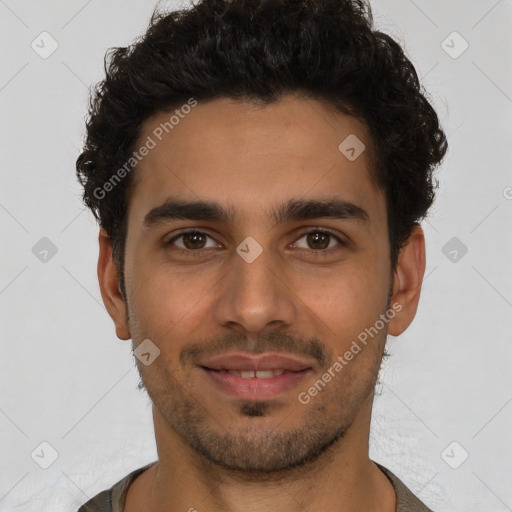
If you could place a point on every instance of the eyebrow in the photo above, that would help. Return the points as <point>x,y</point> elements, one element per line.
<point>292,210</point>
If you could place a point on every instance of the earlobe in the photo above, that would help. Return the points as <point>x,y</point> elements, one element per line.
<point>408,278</point>
<point>108,278</point>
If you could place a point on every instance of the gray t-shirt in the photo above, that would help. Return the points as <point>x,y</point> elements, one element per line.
<point>112,500</point>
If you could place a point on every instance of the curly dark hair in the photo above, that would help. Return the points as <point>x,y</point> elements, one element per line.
<point>258,50</point>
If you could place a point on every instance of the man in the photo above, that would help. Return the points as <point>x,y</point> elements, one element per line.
<point>259,170</point>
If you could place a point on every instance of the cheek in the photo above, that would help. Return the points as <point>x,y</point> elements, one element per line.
<point>348,292</point>
<point>345,304</point>
<point>169,302</point>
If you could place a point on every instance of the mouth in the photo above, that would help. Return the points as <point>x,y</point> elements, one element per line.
<point>254,384</point>
<point>255,376</point>
<point>251,374</point>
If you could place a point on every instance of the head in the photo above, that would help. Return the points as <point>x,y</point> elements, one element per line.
<point>253,122</point>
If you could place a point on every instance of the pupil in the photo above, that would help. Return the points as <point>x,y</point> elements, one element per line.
<point>317,238</point>
<point>193,238</point>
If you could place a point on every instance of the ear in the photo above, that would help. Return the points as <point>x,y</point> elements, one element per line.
<point>110,287</point>
<point>407,281</point>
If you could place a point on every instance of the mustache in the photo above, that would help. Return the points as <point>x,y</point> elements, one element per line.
<point>275,341</point>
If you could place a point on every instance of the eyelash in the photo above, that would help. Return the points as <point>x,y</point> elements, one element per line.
<point>200,252</point>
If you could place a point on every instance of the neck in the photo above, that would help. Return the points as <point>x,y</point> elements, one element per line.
<point>342,478</point>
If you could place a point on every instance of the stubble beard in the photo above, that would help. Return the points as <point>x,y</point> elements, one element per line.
<point>258,447</point>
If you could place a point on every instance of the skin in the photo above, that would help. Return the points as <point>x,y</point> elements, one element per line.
<point>214,452</point>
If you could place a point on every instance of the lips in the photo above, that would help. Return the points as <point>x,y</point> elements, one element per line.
<point>253,387</point>
<point>255,377</point>
<point>250,374</point>
<point>239,362</point>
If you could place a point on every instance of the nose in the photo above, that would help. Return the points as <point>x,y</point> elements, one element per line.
<point>255,296</point>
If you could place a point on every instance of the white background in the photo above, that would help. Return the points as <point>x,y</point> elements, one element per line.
<point>68,381</point>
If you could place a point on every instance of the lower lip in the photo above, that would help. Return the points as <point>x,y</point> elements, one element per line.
<point>254,388</point>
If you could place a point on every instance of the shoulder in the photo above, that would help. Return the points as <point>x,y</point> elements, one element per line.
<point>406,500</point>
<point>102,502</point>
<point>112,500</point>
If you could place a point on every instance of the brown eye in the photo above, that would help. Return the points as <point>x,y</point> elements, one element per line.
<point>194,240</point>
<point>319,240</point>
<point>191,241</point>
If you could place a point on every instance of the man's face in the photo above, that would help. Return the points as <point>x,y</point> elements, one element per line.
<point>307,296</point>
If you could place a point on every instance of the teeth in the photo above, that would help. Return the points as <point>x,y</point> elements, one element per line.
<point>261,374</point>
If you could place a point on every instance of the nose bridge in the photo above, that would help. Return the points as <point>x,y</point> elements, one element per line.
<point>254,293</point>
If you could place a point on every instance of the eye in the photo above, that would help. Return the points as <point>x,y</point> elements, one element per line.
<point>192,240</point>
<point>319,240</point>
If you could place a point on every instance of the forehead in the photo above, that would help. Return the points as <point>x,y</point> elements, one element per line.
<point>249,156</point>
